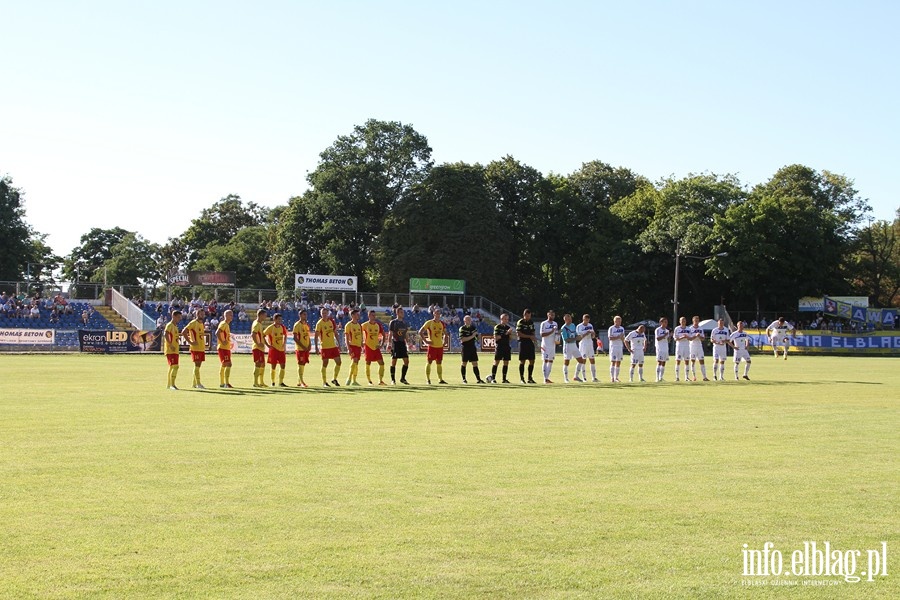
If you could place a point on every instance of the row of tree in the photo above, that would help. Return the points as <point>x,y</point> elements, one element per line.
<point>601,239</point>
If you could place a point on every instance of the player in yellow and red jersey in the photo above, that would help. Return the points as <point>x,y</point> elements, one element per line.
<point>435,333</point>
<point>326,340</point>
<point>276,341</point>
<point>170,347</point>
<point>223,347</point>
<point>373,336</point>
<point>259,348</point>
<point>353,338</point>
<point>302,341</point>
<point>195,335</point>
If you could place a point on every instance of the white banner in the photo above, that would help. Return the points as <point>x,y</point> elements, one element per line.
<point>341,283</point>
<point>242,343</point>
<point>31,337</point>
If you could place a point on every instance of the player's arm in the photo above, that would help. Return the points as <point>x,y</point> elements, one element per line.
<point>628,344</point>
<point>221,336</point>
<point>549,332</point>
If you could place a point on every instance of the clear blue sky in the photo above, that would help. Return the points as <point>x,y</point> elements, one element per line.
<point>139,115</point>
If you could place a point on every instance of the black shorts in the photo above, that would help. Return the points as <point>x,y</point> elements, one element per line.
<point>469,354</point>
<point>399,350</point>
<point>526,350</point>
<point>502,354</point>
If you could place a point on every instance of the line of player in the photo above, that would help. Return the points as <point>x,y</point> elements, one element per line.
<point>367,339</point>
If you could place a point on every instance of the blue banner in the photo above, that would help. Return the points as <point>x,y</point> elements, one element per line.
<point>873,343</point>
<point>117,341</point>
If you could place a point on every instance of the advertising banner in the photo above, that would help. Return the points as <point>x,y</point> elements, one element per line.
<point>242,343</point>
<point>817,304</point>
<point>29,337</point>
<point>118,341</point>
<point>213,278</point>
<point>424,285</point>
<point>340,283</point>
<point>872,343</point>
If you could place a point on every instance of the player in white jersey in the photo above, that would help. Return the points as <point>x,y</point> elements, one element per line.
<point>570,348</point>
<point>616,348</point>
<point>740,341</point>
<point>549,334</point>
<point>587,344</point>
<point>636,342</point>
<point>662,335</point>
<point>719,338</point>
<point>778,335</point>
<point>682,335</point>
<point>696,348</point>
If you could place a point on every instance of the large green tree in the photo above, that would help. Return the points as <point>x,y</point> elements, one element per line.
<point>19,243</point>
<point>95,249</point>
<point>219,223</point>
<point>244,254</point>
<point>335,226</point>
<point>791,238</point>
<point>133,261</point>
<point>874,267</point>
<point>445,227</point>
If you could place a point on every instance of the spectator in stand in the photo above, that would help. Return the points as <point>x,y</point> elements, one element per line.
<point>242,316</point>
<point>54,317</point>
<point>160,321</point>
<point>3,298</point>
<point>35,312</point>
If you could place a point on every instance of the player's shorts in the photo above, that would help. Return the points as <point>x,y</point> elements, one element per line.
<point>354,352</point>
<point>277,357</point>
<point>172,359</point>
<point>696,352</point>
<point>682,352</point>
<point>399,349</point>
<point>571,352</point>
<point>548,354</point>
<point>526,350</point>
<point>302,357</point>
<point>741,354</point>
<point>662,353</point>
<point>329,353</point>
<point>224,355</point>
<point>720,352</point>
<point>587,350</point>
<point>637,357</point>
<point>503,353</point>
<point>436,354</point>
<point>259,356</point>
<point>198,356</point>
<point>469,354</point>
<point>616,352</point>
<point>373,354</point>
<point>781,342</point>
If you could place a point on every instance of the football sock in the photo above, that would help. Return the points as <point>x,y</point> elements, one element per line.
<point>281,375</point>
<point>617,372</point>
<point>531,371</point>
<point>324,374</point>
<point>703,370</point>
<point>196,375</point>
<point>428,372</point>
<point>440,371</point>
<point>369,371</point>
<point>228,375</point>
<point>631,373</point>
<point>273,374</point>
<point>403,371</point>
<point>475,370</point>
<point>641,371</point>
<point>381,372</point>
<point>566,372</point>
<point>547,367</point>
<point>300,369</point>
<point>593,371</point>
<point>736,366</point>
<point>173,372</point>
<point>494,371</point>
<point>337,369</point>
<point>505,371</point>
<point>222,375</point>
<point>746,369</point>
<point>521,370</point>
<point>612,373</point>
<point>462,371</point>
<point>393,373</point>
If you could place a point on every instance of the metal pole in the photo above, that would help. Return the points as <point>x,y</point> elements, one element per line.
<point>675,293</point>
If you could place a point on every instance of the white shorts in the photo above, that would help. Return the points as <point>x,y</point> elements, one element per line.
<point>548,353</point>
<point>697,351</point>
<point>662,353</point>
<point>741,355</point>
<point>781,342</point>
<point>682,351</point>
<point>615,353</point>
<point>571,352</point>
<point>637,357</point>
<point>588,350</point>
<point>720,352</point>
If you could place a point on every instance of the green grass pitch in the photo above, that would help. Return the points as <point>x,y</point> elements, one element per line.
<point>112,486</point>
